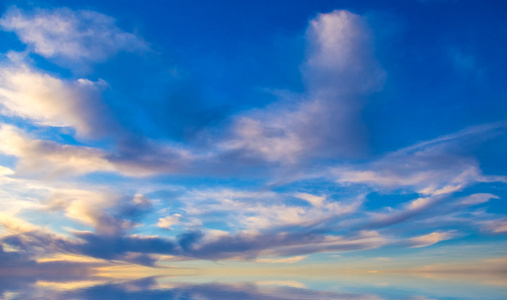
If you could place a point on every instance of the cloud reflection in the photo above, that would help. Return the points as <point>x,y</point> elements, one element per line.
<point>28,287</point>
<point>351,286</point>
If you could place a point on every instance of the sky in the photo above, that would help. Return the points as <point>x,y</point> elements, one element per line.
<point>253,135</point>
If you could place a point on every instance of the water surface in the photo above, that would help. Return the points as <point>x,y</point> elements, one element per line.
<point>300,287</point>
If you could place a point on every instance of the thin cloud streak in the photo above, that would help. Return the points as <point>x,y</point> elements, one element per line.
<point>70,36</point>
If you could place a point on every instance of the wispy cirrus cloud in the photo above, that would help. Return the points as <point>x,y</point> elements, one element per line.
<point>50,159</point>
<point>70,36</point>
<point>341,58</point>
<point>431,238</point>
<point>495,226</point>
<point>430,167</point>
<point>436,170</point>
<point>254,211</point>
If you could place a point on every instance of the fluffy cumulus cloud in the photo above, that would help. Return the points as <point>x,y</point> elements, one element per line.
<point>49,101</point>
<point>70,35</point>
<point>339,71</point>
<point>341,59</point>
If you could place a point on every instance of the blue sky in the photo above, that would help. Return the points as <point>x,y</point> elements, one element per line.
<point>360,134</point>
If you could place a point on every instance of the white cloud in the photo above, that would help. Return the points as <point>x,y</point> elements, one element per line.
<point>289,283</point>
<point>429,167</point>
<point>314,200</point>
<point>479,198</point>
<point>49,101</point>
<point>432,238</point>
<point>72,35</point>
<point>108,212</point>
<point>80,204</point>
<point>428,172</point>
<point>168,221</point>
<point>496,226</point>
<point>5,171</point>
<point>341,59</point>
<point>273,141</point>
<point>339,70</point>
<point>48,157</point>
<point>329,243</point>
<point>254,211</point>
<point>285,260</point>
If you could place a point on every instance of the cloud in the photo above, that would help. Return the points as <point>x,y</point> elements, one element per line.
<point>341,59</point>
<point>429,168</point>
<point>14,259</point>
<point>266,211</point>
<point>478,198</point>
<point>109,214</point>
<point>5,171</point>
<point>339,71</point>
<point>428,172</point>
<point>436,170</point>
<point>262,224</point>
<point>67,35</point>
<point>271,140</point>
<point>168,221</point>
<point>496,226</point>
<point>271,235</point>
<point>323,123</point>
<point>248,246</point>
<point>33,240</point>
<point>49,101</point>
<point>431,238</point>
<point>114,219</point>
<point>287,260</point>
<point>316,201</point>
<point>432,212</point>
<point>407,212</point>
<point>140,157</point>
<point>150,289</point>
<point>48,157</point>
